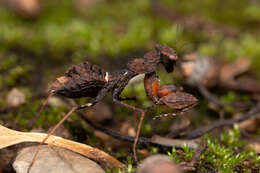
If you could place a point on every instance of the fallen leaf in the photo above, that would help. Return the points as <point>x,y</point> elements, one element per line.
<point>229,71</point>
<point>10,137</point>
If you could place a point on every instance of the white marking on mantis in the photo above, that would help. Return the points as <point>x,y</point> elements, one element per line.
<point>106,77</point>
<point>89,104</point>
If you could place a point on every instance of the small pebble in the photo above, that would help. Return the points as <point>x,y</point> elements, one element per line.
<point>54,160</point>
<point>158,164</point>
<point>15,98</point>
<point>56,102</point>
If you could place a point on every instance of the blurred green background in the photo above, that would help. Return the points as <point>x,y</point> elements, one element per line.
<point>71,30</point>
<point>105,31</point>
<point>39,35</point>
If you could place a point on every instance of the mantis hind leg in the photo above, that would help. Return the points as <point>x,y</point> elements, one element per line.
<point>139,123</point>
<point>99,97</point>
<point>116,99</point>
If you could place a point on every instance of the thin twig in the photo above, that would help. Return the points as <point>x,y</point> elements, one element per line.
<point>51,132</point>
<point>229,122</point>
<point>156,140</point>
<point>206,93</point>
<point>38,115</point>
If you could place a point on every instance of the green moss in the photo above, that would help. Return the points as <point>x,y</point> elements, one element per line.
<point>62,30</point>
<point>232,138</point>
<point>226,155</point>
<point>116,27</point>
<point>8,62</point>
<point>230,97</point>
<point>11,73</point>
<point>174,156</point>
<point>208,49</point>
<point>2,102</point>
<point>18,73</point>
<point>130,168</point>
<point>188,153</point>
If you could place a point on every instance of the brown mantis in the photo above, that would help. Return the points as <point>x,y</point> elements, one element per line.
<point>88,80</point>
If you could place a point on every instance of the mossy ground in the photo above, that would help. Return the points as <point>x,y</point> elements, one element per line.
<point>33,52</point>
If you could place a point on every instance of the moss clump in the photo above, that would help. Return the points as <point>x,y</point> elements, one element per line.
<point>11,73</point>
<point>229,154</point>
<point>117,27</point>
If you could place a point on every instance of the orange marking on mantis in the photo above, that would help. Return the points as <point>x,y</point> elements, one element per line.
<point>155,87</point>
<point>164,93</point>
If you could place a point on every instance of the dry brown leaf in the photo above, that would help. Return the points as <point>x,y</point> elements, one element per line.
<point>27,8</point>
<point>250,125</point>
<point>229,71</point>
<point>255,144</point>
<point>10,137</point>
